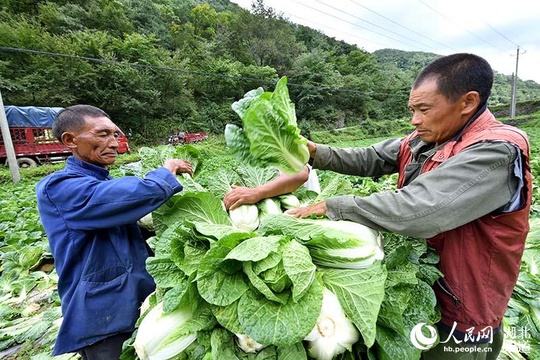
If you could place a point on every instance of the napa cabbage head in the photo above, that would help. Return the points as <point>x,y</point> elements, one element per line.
<point>289,201</point>
<point>269,206</point>
<point>269,136</point>
<point>339,244</point>
<point>245,217</point>
<point>334,333</point>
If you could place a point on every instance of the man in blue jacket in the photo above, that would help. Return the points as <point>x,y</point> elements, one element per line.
<point>91,223</point>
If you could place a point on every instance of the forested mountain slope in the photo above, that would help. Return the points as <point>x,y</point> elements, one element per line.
<point>159,65</point>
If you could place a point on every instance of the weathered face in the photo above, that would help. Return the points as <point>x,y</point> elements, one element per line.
<point>97,142</point>
<point>435,117</point>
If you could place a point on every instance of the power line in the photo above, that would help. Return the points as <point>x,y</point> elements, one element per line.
<point>115,62</point>
<point>370,23</point>
<point>191,72</point>
<point>354,24</point>
<point>373,24</point>
<point>398,24</point>
<point>334,29</point>
<point>502,35</point>
<point>402,26</point>
<point>447,18</point>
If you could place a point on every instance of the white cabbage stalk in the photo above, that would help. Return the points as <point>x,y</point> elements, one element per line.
<point>339,244</point>
<point>334,333</point>
<point>156,338</point>
<point>364,253</point>
<point>245,217</point>
<point>353,258</point>
<point>146,304</point>
<point>533,268</point>
<point>289,201</point>
<point>147,222</point>
<point>247,344</point>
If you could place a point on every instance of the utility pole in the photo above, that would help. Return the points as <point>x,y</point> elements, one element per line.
<point>513,97</point>
<point>8,143</point>
<point>514,87</point>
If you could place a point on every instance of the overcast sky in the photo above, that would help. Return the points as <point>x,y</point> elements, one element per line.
<point>493,29</point>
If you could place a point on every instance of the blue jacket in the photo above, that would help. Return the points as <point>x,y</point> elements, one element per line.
<point>99,252</point>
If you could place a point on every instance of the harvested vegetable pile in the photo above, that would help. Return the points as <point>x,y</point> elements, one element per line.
<point>283,287</point>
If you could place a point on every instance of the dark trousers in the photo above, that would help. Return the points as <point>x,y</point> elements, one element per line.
<point>107,349</point>
<point>462,351</point>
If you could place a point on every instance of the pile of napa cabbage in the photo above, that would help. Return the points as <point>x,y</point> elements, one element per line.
<point>290,288</point>
<point>255,283</point>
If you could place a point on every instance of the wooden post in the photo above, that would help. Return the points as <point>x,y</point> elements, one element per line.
<point>8,143</point>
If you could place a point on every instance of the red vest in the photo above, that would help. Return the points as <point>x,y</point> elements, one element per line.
<point>480,260</point>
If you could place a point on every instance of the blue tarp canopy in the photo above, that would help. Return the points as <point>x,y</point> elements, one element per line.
<point>31,116</point>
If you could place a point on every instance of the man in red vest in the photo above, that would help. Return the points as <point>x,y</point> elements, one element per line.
<point>464,185</point>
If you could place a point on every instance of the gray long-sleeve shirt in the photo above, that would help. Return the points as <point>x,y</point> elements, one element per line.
<point>470,184</point>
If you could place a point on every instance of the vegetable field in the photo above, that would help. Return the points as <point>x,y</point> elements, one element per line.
<point>251,294</point>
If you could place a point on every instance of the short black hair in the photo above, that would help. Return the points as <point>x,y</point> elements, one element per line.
<point>72,118</point>
<point>458,74</point>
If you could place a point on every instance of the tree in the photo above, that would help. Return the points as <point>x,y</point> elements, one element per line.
<point>268,38</point>
<point>204,19</point>
<point>312,80</point>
